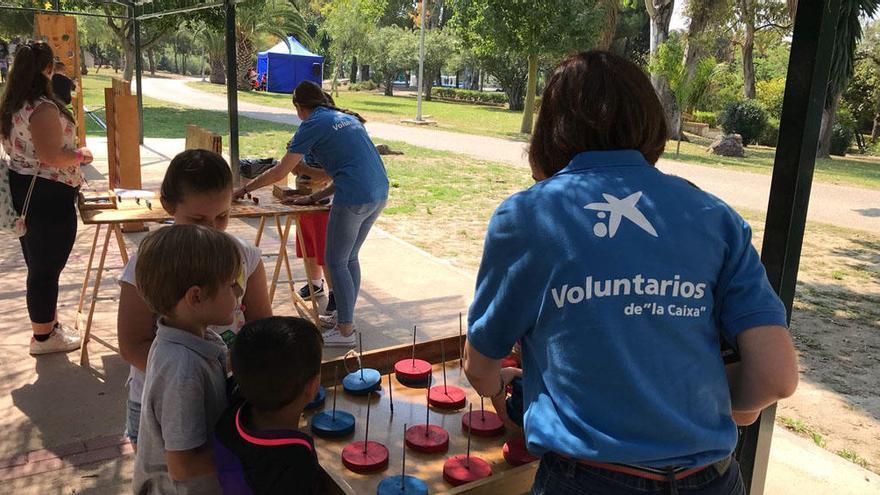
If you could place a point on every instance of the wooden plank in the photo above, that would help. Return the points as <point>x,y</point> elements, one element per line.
<point>112,158</point>
<point>60,33</point>
<point>200,138</point>
<point>128,210</point>
<point>409,408</point>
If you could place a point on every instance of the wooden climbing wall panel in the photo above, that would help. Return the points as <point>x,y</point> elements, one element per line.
<point>123,141</point>
<point>59,31</point>
<point>198,138</point>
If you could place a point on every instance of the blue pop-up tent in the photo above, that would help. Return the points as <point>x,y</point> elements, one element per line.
<point>286,66</point>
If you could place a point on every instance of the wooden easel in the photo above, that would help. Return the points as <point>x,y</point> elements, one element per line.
<point>123,141</point>
<point>59,31</point>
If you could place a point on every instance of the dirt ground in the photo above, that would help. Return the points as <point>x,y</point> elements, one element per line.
<point>835,325</point>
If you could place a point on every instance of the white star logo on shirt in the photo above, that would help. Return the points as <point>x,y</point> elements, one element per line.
<point>619,209</point>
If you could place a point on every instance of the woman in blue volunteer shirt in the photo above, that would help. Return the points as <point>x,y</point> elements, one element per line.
<point>620,283</point>
<point>338,141</point>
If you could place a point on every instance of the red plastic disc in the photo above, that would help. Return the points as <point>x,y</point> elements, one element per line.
<point>515,452</point>
<point>482,423</point>
<point>410,370</point>
<point>510,362</point>
<point>431,440</point>
<point>446,397</point>
<point>374,458</point>
<point>461,469</point>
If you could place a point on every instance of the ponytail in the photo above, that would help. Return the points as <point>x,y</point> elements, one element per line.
<point>309,95</point>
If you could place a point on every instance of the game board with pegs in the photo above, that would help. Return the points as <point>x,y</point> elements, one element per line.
<point>409,408</point>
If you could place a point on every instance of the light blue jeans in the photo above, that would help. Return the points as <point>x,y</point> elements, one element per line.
<point>347,230</point>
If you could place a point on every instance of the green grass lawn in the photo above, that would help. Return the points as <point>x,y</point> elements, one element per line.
<point>457,117</point>
<point>853,170</point>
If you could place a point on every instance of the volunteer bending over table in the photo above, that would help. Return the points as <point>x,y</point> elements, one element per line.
<point>338,141</point>
<point>620,282</point>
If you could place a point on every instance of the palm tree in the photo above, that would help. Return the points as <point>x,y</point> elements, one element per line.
<point>849,32</point>
<point>278,18</point>
<point>215,46</point>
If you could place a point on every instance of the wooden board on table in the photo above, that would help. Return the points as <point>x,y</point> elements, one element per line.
<point>129,210</point>
<point>409,408</point>
<point>198,138</point>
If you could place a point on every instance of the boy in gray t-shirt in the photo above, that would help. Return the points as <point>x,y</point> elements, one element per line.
<point>187,274</point>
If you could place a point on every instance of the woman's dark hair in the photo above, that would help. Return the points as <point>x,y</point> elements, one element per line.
<point>274,359</point>
<point>27,83</point>
<point>596,101</point>
<point>195,171</point>
<point>309,95</point>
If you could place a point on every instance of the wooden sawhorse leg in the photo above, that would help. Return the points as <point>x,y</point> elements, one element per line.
<point>84,356</point>
<point>298,302</point>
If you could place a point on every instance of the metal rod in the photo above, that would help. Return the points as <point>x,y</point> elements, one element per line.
<point>390,387</point>
<point>403,462</point>
<point>470,414</point>
<point>138,71</point>
<point>427,410</point>
<point>335,378</point>
<point>66,12</point>
<point>421,63</point>
<point>460,348</point>
<point>360,354</point>
<point>414,348</point>
<point>232,91</point>
<point>367,429</point>
<point>482,409</point>
<point>443,359</point>
<point>182,10</point>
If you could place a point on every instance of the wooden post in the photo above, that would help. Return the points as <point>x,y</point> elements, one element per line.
<point>59,31</point>
<point>123,141</point>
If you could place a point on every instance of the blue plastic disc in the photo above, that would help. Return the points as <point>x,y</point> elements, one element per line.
<point>356,384</point>
<point>411,486</point>
<point>325,425</point>
<point>318,401</point>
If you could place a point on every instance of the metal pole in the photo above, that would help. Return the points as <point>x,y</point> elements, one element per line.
<point>138,69</point>
<point>808,70</point>
<point>232,90</point>
<point>421,63</point>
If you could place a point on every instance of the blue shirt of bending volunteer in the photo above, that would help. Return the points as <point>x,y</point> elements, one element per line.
<point>339,142</point>
<point>620,281</point>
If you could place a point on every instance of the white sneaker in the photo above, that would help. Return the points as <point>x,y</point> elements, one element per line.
<point>334,338</point>
<point>62,339</point>
<point>328,322</point>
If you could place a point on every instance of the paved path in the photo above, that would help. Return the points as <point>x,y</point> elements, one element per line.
<point>844,206</point>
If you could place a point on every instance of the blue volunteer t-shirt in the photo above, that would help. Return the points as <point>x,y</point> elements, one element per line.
<point>620,280</point>
<point>339,142</point>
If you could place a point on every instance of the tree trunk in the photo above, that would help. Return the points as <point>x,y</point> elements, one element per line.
<point>429,83</point>
<point>334,86</point>
<point>244,58</point>
<point>609,26</point>
<point>128,69</point>
<point>531,85</point>
<point>748,49</point>
<point>875,131</point>
<point>354,71</point>
<point>151,60</point>
<point>829,116</point>
<point>661,15</point>
<point>218,70</point>
<point>389,85</point>
<point>365,72</point>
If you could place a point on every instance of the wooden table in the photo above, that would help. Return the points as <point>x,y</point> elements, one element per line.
<point>130,210</point>
<point>409,408</point>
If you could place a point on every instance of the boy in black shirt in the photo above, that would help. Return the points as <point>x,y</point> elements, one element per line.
<point>258,447</point>
<point>62,85</point>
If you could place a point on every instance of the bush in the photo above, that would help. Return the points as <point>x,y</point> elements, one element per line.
<point>710,118</point>
<point>769,95</point>
<point>469,95</point>
<point>842,136</point>
<point>770,136</point>
<point>745,118</point>
<point>367,85</point>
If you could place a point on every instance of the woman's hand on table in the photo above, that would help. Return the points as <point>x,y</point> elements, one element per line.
<point>299,200</point>
<point>500,400</point>
<point>239,193</point>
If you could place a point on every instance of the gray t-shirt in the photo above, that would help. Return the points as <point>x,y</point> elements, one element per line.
<point>184,396</point>
<point>250,257</point>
